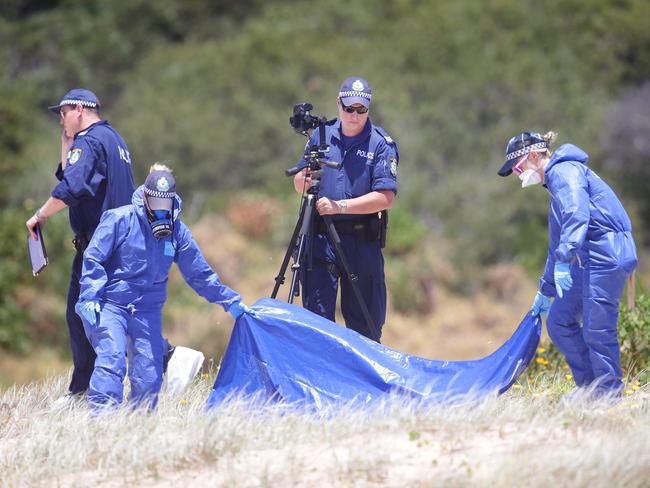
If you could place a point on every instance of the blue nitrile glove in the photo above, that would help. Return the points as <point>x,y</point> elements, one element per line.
<point>541,304</point>
<point>237,309</point>
<point>88,310</point>
<point>562,277</point>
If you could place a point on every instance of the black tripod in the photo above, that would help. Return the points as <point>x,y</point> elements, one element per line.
<point>304,231</point>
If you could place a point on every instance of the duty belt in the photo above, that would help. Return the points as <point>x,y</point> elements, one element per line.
<point>364,228</point>
<point>80,242</point>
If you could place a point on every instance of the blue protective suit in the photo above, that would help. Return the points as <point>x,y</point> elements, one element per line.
<point>125,268</point>
<point>589,228</point>
<point>97,177</point>
<point>369,164</point>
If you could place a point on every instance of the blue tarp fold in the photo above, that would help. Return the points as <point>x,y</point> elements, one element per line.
<point>284,353</point>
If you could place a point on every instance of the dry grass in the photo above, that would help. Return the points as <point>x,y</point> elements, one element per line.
<point>524,438</point>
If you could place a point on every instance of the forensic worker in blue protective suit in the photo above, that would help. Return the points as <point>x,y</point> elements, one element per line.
<point>591,253</point>
<point>356,196</point>
<point>94,175</point>
<point>124,288</point>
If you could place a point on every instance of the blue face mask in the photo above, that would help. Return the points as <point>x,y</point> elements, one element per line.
<point>161,223</point>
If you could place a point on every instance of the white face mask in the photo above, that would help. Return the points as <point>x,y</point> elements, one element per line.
<point>530,177</point>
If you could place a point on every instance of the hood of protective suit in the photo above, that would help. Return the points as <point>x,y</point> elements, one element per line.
<point>138,202</point>
<point>567,152</point>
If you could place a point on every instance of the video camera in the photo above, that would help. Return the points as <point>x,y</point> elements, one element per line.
<point>302,122</point>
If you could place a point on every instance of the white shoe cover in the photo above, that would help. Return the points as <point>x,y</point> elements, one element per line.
<point>182,368</point>
<point>67,402</point>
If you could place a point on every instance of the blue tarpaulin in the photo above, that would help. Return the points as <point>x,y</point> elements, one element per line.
<point>284,353</point>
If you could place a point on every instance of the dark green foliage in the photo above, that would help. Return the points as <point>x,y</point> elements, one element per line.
<point>634,336</point>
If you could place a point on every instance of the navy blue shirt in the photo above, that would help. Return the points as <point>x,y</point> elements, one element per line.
<point>369,160</point>
<point>97,176</point>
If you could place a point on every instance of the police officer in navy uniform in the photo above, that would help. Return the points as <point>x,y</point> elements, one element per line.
<point>356,196</point>
<point>94,175</point>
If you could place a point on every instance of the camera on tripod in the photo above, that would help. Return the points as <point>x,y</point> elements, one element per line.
<point>315,155</point>
<point>302,120</point>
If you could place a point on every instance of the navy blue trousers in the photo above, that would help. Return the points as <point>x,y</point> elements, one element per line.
<point>320,285</point>
<point>83,355</point>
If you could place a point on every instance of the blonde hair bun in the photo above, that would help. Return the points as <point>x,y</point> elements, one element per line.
<point>549,138</point>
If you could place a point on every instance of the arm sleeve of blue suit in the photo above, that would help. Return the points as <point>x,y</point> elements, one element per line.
<point>569,187</point>
<point>83,174</point>
<point>384,175</point>
<point>101,246</point>
<point>547,281</point>
<point>197,272</point>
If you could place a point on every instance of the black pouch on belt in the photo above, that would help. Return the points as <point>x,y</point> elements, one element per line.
<point>80,242</point>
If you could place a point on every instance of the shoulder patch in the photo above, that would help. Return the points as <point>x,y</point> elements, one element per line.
<point>393,165</point>
<point>74,155</point>
<point>82,133</point>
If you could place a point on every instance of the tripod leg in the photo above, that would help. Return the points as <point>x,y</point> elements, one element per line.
<point>340,254</point>
<point>304,233</point>
<point>279,279</point>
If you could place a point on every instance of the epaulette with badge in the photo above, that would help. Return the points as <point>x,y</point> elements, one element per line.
<point>393,161</point>
<point>384,134</point>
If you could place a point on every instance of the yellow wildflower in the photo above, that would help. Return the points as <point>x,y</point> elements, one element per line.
<point>569,377</point>
<point>541,350</point>
<point>629,392</point>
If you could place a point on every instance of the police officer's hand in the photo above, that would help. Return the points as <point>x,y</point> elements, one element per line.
<point>66,144</point>
<point>33,222</point>
<point>302,181</point>
<point>325,206</point>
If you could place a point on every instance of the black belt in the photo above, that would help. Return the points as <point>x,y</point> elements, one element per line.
<point>364,228</point>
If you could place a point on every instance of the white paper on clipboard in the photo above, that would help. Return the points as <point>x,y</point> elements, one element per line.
<point>37,253</point>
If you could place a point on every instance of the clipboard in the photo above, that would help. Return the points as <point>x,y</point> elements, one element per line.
<point>37,252</point>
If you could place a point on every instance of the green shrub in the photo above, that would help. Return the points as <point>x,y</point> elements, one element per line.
<point>634,337</point>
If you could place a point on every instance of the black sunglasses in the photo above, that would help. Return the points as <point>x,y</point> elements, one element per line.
<point>359,110</point>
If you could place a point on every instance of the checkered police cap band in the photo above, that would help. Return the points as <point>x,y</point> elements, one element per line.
<point>85,103</point>
<point>346,94</point>
<point>159,194</point>
<point>525,150</point>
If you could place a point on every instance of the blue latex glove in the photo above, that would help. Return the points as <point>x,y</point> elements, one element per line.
<point>237,309</point>
<point>88,310</point>
<point>541,304</point>
<point>562,277</point>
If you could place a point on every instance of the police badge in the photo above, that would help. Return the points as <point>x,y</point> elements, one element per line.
<point>393,165</point>
<point>162,184</point>
<point>74,156</point>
